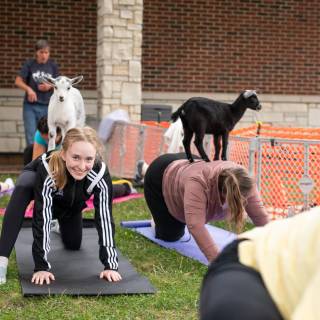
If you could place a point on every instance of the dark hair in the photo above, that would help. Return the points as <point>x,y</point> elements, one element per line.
<point>42,126</point>
<point>42,43</point>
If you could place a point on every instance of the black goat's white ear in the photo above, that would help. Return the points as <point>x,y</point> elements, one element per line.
<point>76,80</point>
<point>248,93</point>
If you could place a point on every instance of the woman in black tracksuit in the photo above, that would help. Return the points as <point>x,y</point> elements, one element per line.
<point>65,179</point>
<point>24,192</point>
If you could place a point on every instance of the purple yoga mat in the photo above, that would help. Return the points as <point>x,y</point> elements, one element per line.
<point>7,192</point>
<point>186,245</point>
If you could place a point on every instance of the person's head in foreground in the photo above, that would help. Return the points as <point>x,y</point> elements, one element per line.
<point>270,272</point>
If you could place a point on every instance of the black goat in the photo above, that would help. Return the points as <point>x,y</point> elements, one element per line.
<point>202,115</point>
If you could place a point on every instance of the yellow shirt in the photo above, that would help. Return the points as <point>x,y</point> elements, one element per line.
<point>287,254</point>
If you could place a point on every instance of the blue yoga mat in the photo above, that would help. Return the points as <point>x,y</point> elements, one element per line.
<point>186,245</point>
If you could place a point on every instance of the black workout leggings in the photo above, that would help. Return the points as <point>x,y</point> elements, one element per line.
<point>71,231</point>
<point>27,154</point>
<point>166,226</point>
<point>13,218</point>
<point>20,198</point>
<point>233,291</point>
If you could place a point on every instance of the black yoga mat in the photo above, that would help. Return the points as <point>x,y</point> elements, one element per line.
<point>76,272</point>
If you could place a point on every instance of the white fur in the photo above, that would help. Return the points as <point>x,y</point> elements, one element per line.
<point>66,107</point>
<point>248,93</point>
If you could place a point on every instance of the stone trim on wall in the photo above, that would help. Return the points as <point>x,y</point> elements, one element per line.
<point>119,56</point>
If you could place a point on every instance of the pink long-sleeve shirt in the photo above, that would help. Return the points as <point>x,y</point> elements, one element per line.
<point>191,194</point>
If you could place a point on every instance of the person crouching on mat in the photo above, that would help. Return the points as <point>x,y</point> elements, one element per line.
<point>269,273</point>
<point>180,193</point>
<point>65,180</point>
<point>22,194</point>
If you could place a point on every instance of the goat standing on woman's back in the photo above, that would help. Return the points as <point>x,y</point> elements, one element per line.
<point>66,107</point>
<point>205,116</point>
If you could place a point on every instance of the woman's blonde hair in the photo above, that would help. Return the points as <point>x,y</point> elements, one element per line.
<point>57,165</point>
<point>235,184</point>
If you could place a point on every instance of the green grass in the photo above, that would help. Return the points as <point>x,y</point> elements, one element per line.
<point>176,278</point>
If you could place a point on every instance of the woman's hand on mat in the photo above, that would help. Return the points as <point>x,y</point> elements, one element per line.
<point>41,277</point>
<point>110,275</point>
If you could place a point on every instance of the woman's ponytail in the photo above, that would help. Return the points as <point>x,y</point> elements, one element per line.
<point>235,202</point>
<point>58,169</point>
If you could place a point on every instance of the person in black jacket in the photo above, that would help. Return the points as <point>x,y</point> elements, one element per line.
<point>65,180</point>
<point>22,194</point>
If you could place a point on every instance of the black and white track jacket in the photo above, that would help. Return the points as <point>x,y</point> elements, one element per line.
<point>51,203</point>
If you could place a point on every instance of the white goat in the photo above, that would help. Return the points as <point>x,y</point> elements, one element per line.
<point>66,107</point>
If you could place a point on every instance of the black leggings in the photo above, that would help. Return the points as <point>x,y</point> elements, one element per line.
<point>233,291</point>
<point>27,154</point>
<point>20,198</point>
<point>166,226</point>
<point>13,218</point>
<point>71,231</point>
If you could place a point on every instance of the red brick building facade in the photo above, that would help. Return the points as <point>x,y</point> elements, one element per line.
<point>188,45</point>
<point>226,46</point>
<point>70,26</point>
<point>161,52</point>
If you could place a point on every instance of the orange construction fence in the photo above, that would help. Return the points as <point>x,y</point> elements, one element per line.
<point>162,124</point>
<point>284,160</point>
<point>130,143</point>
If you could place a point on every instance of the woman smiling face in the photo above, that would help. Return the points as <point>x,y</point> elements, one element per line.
<point>79,159</point>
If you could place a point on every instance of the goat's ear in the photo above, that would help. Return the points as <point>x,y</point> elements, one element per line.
<point>76,80</point>
<point>48,79</point>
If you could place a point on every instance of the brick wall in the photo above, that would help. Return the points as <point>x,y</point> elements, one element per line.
<point>69,25</point>
<point>211,48</point>
<point>228,46</point>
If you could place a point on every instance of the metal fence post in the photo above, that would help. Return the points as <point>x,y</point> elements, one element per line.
<point>122,149</point>
<point>141,143</point>
<point>252,155</point>
<point>306,182</point>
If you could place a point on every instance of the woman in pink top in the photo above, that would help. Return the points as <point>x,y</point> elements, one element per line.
<point>180,193</point>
